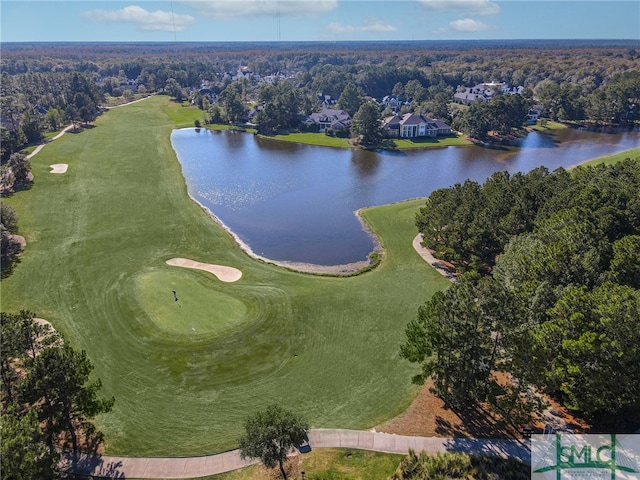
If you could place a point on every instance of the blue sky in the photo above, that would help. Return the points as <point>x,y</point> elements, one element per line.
<point>316,20</point>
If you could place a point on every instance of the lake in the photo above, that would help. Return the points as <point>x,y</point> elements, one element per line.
<point>296,203</point>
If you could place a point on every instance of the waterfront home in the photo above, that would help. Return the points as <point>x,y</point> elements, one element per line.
<point>329,118</point>
<point>412,125</point>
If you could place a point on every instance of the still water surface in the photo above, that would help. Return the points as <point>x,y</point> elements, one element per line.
<point>296,203</point>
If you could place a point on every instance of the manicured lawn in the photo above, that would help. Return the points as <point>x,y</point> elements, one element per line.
<point>184,380</point>
<point>321,139</point>
<point>618,157</point>
<point>182,114</point>
<point>454,141</point>
<point>311,138</point>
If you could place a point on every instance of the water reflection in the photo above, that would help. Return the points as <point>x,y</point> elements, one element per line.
<point>296,202</point>
<point>365,163</point>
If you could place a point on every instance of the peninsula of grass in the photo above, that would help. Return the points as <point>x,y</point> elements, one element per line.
<point>186,374</point>
<point>633,154</point>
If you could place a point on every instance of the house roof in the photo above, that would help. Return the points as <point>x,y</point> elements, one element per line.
<point>332,114</point>
<point>413,119</point>
<point>393,121</point>
<point>440,124</point>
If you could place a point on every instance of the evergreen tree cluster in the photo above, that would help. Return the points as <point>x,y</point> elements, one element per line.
<point>48,398</point>
<point>35,103</point>
<point>550,295</point>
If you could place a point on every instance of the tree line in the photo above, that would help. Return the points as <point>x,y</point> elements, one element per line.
<point>548,296</point>
<point>36,103</point>
<point>44,87</point>
<point>48,398</point>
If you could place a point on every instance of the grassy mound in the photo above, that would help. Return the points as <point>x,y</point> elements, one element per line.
<point>198,309</point>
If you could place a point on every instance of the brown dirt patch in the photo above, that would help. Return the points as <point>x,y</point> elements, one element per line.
<point>429,416</point>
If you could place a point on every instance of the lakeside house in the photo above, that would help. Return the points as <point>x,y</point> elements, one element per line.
<point>484,92</point>
<point>393,102</point>
<point>534,115</point>
<point>329,118</point>
<point>412,125</point>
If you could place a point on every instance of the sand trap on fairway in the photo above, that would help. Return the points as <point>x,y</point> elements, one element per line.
<point>224,274</point>
<point>59,168</point>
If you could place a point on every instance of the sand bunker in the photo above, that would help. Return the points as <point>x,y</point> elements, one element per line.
<point>59,168</point>
<point>224,274</point>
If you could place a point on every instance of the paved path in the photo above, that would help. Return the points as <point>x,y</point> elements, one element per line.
<point>431,260</point>
<point>191,467</point>
<point>41,146</point>
<point>66,129</point>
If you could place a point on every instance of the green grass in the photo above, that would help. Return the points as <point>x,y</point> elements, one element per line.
<point>453,141</point>
<point>312,138</point>
<point>97,241</point>
<point>198,310</point>
<point>551,125</point>
<point>320,139</point>
<point>634,153</point>
<point>182,114</point>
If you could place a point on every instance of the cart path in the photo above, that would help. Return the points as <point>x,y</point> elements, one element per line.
<point>192,467</point>
<point>42,145</point>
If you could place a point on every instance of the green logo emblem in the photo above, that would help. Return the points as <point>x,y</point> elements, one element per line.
<point>585,456</point>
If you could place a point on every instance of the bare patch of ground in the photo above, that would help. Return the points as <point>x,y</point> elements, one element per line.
<point>223,273</point>
<point>429,416</point>
<point>19,239</point>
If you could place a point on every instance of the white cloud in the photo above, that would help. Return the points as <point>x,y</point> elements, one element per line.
<point>143,19</point>
<point>465,25</point>
<point>245,8</point>
<point>468,25</point>
<point>373,26</point>
<point>469,7</point>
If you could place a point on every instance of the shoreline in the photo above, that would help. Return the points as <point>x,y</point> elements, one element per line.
<point>302,267</point>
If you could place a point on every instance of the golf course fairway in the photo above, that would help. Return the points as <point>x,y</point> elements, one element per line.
<point>186,373</point>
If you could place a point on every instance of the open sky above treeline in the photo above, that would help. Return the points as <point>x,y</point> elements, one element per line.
<point>315,20</point>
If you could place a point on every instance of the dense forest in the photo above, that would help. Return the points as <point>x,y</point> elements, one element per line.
<point>47,85</point>
<point>550,294</point>
<point>48,399</point>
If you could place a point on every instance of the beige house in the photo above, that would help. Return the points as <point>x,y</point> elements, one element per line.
<point>411,125</point>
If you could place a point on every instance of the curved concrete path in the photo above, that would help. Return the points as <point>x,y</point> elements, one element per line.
<point>66,129</point>
<point>42,145</point>
<point>193,467</point>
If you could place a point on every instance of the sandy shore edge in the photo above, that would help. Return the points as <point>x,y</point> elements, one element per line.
<point>346,269</point>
